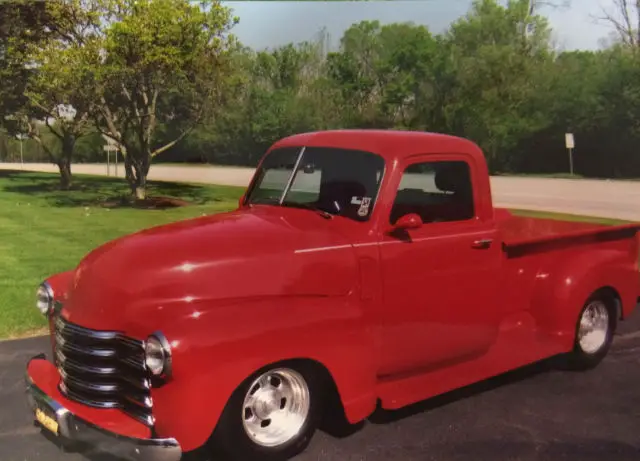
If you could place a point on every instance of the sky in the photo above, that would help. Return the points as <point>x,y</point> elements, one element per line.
<point>268,24</point>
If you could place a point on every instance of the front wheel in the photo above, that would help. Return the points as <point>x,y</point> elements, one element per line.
<point>272,415</point>
<point>594,332</point>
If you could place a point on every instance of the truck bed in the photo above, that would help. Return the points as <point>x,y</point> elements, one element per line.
<point>518,231</point>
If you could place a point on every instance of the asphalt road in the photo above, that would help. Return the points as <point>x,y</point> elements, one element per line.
<point>612,199</point>
<point>533,414</point>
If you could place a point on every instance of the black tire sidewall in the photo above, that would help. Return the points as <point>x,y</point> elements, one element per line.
<point>231,437</point>
<point>584,360</point>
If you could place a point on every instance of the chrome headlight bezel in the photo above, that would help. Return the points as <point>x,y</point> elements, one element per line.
<point>157,355</point>
<point>45,298</point>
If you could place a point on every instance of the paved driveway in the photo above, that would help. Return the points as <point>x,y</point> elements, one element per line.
<point>613,199</point>
<point>531,415</point>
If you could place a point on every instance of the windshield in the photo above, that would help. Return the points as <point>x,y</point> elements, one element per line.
<point>337,181</point>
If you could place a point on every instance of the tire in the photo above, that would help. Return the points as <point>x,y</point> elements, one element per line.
<point>248,429</point>
<point>594,332</point>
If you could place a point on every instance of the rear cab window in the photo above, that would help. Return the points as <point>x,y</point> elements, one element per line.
<point>437,191</point>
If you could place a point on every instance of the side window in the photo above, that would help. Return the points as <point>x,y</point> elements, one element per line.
<point>436,191</point>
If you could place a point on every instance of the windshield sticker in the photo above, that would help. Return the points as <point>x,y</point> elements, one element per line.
<point>355,200</point>
<point>364,206</point>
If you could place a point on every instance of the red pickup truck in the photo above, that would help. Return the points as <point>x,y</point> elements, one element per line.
<point>367,265</point>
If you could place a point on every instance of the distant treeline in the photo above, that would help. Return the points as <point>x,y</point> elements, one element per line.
<point>493,77</point>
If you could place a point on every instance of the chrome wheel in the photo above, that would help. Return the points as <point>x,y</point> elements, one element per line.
<point>276,407</point>
<point>594,327</point>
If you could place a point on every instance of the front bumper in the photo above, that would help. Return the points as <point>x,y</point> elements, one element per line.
<point>64,423</point>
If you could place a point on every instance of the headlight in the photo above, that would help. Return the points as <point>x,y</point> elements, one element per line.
<point>157,355</point>
<point>44,298</point>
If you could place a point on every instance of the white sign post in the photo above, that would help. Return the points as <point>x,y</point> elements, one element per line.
<point>570,142</point>
<point>110,149</point>
<point>21,137</point>
<point>111,146</point>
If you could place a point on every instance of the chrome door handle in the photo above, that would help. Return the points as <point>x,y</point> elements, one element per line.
<point>482,244</point>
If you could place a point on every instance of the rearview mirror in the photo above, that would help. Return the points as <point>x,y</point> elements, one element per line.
<point>407,222</point>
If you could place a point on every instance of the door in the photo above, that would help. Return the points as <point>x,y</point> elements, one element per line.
<point>440,281</point>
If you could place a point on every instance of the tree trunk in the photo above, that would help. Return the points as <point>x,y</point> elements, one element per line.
<point>64,162</point>
<point>141,187</point>
<point>64,165</point>
<point>137,171</point>
<point>128,171</point>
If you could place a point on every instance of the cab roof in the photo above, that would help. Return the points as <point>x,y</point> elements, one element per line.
<point>389,144</point>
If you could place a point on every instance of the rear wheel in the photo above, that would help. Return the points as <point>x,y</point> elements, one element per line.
<point>594,332</point>
<point>272,415</point>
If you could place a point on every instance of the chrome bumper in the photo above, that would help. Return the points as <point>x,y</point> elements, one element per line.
<point>75,429</point>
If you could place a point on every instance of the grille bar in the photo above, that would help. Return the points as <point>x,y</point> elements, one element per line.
<point>143,384</point>
<point>73,365</point>
<point>65,327</point>
<point>82,398</point>
<point>63,344</point>
<point>103,369</point>
<point>89,387</point>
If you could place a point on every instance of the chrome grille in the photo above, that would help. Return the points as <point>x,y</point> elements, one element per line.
<point>103,369</point>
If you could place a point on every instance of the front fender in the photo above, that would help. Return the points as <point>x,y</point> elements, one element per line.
<point>61,283</point>
<point>560,292</point>
<point>216,351</point>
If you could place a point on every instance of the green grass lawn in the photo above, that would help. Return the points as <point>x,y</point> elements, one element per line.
<point>44,230</point>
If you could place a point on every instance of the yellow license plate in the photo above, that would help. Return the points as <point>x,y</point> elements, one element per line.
<point>47,421</point>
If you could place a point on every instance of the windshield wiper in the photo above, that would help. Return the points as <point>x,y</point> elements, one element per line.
<point>308,206</point>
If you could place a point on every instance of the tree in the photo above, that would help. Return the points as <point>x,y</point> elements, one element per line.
<point>355,72</point>
<point>24,24</point>
<point>56,88</point>
<point>625,20</point>
<point>60,92</point>
<point>500,76</point>
<point>270,94</point>
<point>387,75</point>
<point>161,62</point>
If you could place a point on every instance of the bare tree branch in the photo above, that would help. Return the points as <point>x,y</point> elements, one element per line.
<point>32,132</point>
<point>52,129</point>
<point>535,4</point>
<point>625,20</point>
<point>174,142</point>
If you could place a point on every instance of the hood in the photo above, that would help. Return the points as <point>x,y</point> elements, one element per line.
<point>253,252</point>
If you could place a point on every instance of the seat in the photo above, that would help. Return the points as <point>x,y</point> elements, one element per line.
<point>453,202</point>
<point>335,196</point>
<point>455,179</point>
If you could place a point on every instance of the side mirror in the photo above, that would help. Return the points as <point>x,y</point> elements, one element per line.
<point>241,201</point>
<point>407,222</point>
